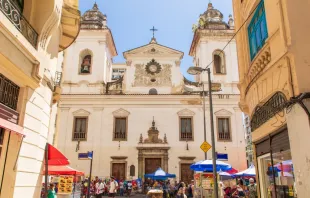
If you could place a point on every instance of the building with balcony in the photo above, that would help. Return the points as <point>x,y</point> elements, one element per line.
<point>274,58</point>
<point>32,33</point>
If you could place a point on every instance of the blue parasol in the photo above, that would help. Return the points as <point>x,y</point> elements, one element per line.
<point>159,174</point>
<point>207,166</point>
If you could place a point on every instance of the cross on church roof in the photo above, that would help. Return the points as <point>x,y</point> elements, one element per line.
<point>153,29</point>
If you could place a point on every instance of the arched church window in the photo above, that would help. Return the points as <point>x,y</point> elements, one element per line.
<point>85,62</point>
<point>219,62</point>
<point>153,91</point>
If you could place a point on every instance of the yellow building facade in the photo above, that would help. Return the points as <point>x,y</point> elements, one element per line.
<point>32,33</point>
<point>274,56</point>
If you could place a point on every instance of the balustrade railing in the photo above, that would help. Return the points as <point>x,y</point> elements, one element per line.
<point>119,136</point>
<point>186,136</point>
<point>224,136</point>
<point>13,13</point>
<point>79,136</point>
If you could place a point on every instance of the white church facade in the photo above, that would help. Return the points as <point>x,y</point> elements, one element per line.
<point>144,114</point>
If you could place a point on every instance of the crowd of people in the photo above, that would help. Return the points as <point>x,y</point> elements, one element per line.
<point>111,187</point>
<point>108,187</point>
<point>240,190</point>
<point>171,189</point>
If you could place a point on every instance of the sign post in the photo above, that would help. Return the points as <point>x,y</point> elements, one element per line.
<point>89,156</point>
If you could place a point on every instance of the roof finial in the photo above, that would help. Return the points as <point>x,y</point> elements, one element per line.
<point>210,6</point>
<point>153,123</point>
<point>95,7</point>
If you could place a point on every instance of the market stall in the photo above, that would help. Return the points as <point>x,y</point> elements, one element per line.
<point>159,174</point>
<point>67,179</point>
<point>204,178</point>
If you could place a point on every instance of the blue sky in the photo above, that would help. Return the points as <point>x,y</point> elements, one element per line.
<point>131,20</point>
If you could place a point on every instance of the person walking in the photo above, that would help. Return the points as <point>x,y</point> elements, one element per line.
<point>99,188</point>
<point>51,192</point>
<point>129,188</point>
<point>121,188</point>
<point>180,193</point>
<point>113,187</point>
<point>190,190</point>
<point>240,190</point>
<point>252,189</point>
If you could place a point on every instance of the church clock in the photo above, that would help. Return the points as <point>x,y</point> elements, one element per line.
<point>153,67</point>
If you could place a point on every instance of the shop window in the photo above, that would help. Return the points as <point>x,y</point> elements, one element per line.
<point>80,129</point>
<point>257,30</point>
<point>223,129</point>
<point>186,128</point>
<point>120,129</point>
<point>219,62</point>
<point>276,167</point>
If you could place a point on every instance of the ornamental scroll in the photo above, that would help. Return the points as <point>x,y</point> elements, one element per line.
<point>142,78</point>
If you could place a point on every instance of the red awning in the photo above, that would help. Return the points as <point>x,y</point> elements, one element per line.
<point>11,126</point>
<point>55,157</point>
<point>232,171</point>
<point>63,170</point>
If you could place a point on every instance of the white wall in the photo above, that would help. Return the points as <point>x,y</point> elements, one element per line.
<point>142,110</point>
<point>204,53</point>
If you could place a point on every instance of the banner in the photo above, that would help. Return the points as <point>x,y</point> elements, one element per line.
<point>65,185</point>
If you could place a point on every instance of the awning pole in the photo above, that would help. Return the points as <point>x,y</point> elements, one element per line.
<point>46,168</point>
<point>6,155</point>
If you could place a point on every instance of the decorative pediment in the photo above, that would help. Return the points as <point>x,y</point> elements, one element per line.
<point>223,112</point>
<point>121,113</point>
<point>153,49</point>
<point>186,112</point>
<point>81,112</point>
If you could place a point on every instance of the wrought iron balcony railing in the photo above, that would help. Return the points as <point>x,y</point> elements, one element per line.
<point>186,136</point>
<point>224,136</point>
<point>119,136</point>
<point>11,11</point>
<point>79,136</point>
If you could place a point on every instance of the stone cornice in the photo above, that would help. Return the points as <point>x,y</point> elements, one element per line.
<point>209,34</point>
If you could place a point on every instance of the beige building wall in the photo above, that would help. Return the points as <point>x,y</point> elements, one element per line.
<point>28,58</point>
<point>279,66</point>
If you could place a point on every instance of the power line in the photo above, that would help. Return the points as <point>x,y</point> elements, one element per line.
<point>222,51</point>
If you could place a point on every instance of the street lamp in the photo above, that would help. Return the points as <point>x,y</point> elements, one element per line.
<point>198,71</point>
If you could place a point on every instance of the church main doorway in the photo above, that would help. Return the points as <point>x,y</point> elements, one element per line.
<point>152,164</point>
<point>118,170</point>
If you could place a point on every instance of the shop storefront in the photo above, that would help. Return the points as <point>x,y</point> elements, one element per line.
<point>275,167</point>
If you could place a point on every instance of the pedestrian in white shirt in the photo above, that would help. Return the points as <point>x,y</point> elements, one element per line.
<point>113,187</point>
<point>99,189</point>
